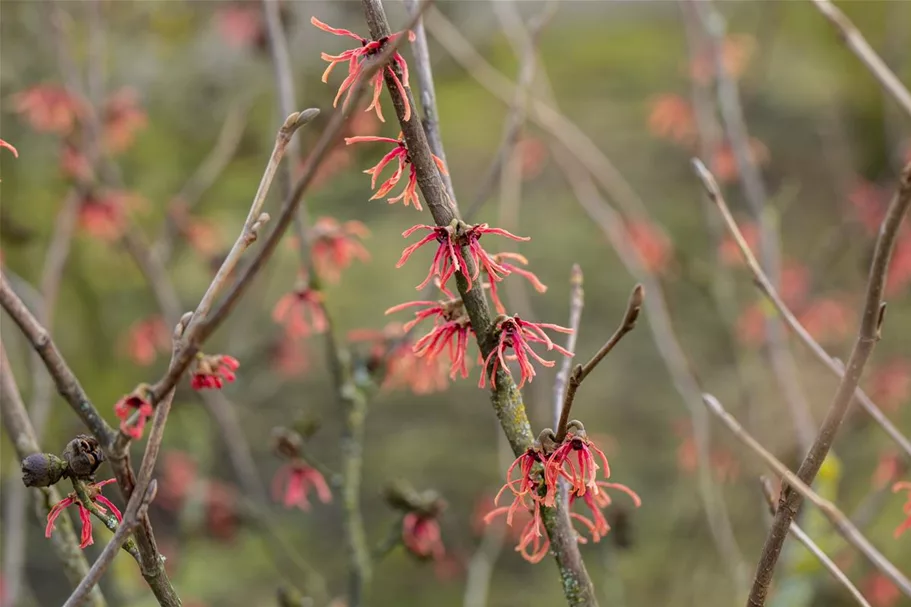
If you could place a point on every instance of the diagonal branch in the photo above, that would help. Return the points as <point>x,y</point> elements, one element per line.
<point>814,549</point>
<point>580,372</point>
<point>792,485</point>
<point>860,47</point>
<point>870,330</point>
<point>762,281</point>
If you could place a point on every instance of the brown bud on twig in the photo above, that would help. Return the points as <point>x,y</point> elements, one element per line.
<point>402,496</point>
<point>83,455</point>
<point>286,442</point>
<point>42,470</point>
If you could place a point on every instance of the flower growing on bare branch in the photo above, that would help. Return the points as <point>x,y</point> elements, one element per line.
<point>356,57</point>
<point>212,371</point>
<point>904,486</point>
<point>137,402</point>
<point>94,493</point>
<point>517,335</point>
<point>400,154</point>
<point>49,108</point>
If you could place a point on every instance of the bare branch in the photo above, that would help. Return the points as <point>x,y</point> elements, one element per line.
<point>576,303</point>
<point>766,287</point>
<point>815,550</point>
<point>67,384</point>
<point>859,46</point>
<point>795,485</point>
<point>580,372</point>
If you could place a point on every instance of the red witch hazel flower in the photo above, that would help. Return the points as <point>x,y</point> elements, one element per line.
<point>517,334</point>
<point>49,108</point>
<point>422,537</point>
<point>400,153</point>
<point>392,352</point>
<point>212,371</point>
<point>451,332</point>
<point>293,482</point>
<point>336,245</point>
<point>540,469</point>
<point>904,486</point>
<point>145,339</point>
<point>301,312</point>
<point>94,493</point>
<point>356,57</point>
<point>133,410</point>
<point>448,257</point>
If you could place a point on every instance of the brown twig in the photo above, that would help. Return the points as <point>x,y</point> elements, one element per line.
<point>859,46</point>
<point>766,287</point>
<point>869,333</point>
<point>67,384</point>
<point>815,550</point>
<point>424,73</point>
<point>22,435</point>
<point>660,323</point>
<point>795,485</point>
<point>580,372</point>
<point>325,143</point>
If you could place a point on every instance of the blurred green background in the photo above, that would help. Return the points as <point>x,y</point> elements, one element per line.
<point>827,128</point>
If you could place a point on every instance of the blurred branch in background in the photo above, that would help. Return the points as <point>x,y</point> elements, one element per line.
<point>762,281</point>
<point>792,484</point>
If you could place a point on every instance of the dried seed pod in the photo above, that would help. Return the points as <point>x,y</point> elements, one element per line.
<point>42,470</point>
<point>83,455</point>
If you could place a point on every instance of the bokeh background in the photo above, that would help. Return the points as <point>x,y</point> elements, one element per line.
<point>182,82</point>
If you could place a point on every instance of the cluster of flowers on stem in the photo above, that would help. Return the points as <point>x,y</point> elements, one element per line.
<point>534,481</point>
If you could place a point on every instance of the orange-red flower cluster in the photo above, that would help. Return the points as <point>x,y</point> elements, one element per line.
<point>576,460</point>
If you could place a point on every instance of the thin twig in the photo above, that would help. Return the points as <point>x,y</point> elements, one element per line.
<point>576,303</point>
<point>424,73</point>
<point>326,142</point>
<point>767,289</point>
<point>795,485</point>
<point>580,372</point>
<point>22,435</point>
<point>859,46</point>
<point>815,550</point>
<point>67,384</point>
<point>661,325</point>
